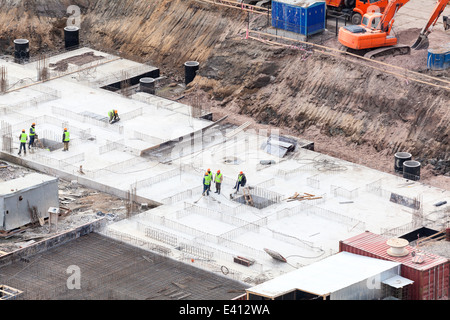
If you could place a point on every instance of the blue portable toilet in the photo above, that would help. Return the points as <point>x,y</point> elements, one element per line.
<point>439,58</point>
<point>305,17</point>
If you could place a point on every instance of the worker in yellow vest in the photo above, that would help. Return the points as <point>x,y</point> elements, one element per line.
<point>66,139</point>
<point>32,135</point>
<point>23,141</point>
<point>218,180</point>
<point>241,181</point>
<point>113,116</point>
<point>206,183</point>
<point>210,177</point>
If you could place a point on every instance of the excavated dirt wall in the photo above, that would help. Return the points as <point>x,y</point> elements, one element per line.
<point>166,33</point>
<point>304,92</point>
<point>284,88</point>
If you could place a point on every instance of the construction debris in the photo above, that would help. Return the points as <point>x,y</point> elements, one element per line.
<point>275,255</point>
<point>244,261</point>
<point>279,146</point>
<point>300,197</point>
<point>77,205</point>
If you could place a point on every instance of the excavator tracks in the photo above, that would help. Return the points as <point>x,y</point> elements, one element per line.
<point>391,51</point>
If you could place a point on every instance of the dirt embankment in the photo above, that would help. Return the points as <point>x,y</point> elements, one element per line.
<point>166,33</point>
<point>285,89</point>
<point>352,111</point>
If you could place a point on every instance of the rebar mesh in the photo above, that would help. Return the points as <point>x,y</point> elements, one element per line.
<point>111,270</point>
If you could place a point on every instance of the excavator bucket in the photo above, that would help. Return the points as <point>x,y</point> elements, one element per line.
<point>421,43</point>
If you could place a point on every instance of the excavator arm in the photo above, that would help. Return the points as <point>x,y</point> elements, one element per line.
<point>389,13</point>
<point>422,41</point>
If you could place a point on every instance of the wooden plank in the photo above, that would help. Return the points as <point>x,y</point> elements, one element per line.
<point>429,237</point>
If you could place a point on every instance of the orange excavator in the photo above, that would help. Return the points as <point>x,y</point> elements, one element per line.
<point>373,36</point>
<point>422,41</point>
<point>374,32</point>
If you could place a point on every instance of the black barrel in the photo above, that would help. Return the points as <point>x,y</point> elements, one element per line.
<point>400,158</point>
<point>71,37</point>
<point>21,50</point>
<point>190,70</point>
<point>411,170</point>
<point>147,85</point>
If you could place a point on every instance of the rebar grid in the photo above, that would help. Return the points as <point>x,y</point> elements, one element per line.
<point>304,207</point>
<point>45,95</point>
<point>226,239</point>
<point>266,184</point>
<point>183,195</point>
<point>313,181</point>
<point>6,133</point>
<point>118,76</point>
<point>183,243</point>
<point>342,192</point>
<point>159,102</point>
<point>148,138</point>
<point>395,232</point>
<point>222,216</point>
<point>3,80</point>
<point>55,163</point>
<point>111,146</point>
<point>110,270</point>
<point>131,114</point>
<point>414,202</point>
<point>156,179</point>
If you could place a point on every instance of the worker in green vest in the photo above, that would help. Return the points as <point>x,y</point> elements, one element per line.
<point>113,116</point>
<point>23,141</point>
<point>66,139</point>
<point>206,183</point>
<point>32,135</point>
<point>211,178</point>
<point>241,181</point>
<point>218,180</point>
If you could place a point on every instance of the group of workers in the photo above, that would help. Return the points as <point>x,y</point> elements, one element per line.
<point>218,179</point>
<point>23,138</point>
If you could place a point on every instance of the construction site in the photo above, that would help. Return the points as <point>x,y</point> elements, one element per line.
<point>346,152</point>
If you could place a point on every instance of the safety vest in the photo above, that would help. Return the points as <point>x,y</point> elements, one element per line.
<point>32,131</point>
<point>207,180</point>
<point>219,177</point>
<point>111,113</point>
<point>23,137</point>
<point>66,136</point>
<point>240,177</point>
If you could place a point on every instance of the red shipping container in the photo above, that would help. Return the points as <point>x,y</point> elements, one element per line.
<point>431,276</point>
